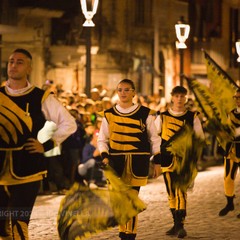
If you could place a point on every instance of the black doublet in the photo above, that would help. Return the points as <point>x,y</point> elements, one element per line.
<point>21,118</point>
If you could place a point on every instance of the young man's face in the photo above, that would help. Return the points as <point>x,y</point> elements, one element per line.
<point>179,100</point>
<point>19,66</point>
<point>125,92</point>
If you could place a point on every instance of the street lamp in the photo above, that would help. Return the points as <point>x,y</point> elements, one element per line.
<point>182,33</point>
<point>238,59</point>
<point>89,14</point>
<point>89,9</point>
<point>238,50</point>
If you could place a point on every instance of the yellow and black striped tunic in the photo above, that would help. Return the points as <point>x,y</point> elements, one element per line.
<point>171,124</point>
<point>129,148</point>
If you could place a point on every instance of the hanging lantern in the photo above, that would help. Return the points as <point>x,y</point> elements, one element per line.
<point>182,32</point>
<point>238,50</point>
<point>93,4</point>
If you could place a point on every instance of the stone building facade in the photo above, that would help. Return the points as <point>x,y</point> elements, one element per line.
<point>131,39</point>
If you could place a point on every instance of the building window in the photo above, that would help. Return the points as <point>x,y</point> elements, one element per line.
<point>8,12</point>
<point>205,17</point>
<point>143,12</point>
<point>206,23</point>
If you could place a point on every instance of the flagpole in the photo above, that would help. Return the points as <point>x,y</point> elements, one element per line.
<point>238,59</point>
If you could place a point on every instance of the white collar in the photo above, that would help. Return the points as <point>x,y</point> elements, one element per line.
<point>126,110</point>
<point>18,91</point>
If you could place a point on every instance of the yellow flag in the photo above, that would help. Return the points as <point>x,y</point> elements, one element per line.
<point>84,212</point>
<point>216,100</point>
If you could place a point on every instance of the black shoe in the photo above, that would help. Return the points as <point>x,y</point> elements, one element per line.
<point>182,233</point>
<point>238,216</point>
<point>172,231</point>
<point>226,210</point>
<point>124,236</point>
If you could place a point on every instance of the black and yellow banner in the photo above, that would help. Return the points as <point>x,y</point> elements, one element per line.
<point>215,100</point>
<point>84,212</point>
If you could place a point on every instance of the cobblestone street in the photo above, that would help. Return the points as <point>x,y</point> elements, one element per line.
<point>202,222</point>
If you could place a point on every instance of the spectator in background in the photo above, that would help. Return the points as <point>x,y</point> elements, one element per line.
<point>106,101</point>
<point>59,89</point>
<point>80,109</point>
<point>70,102</point>
<point>83,99</point>
<point>72,147</point>
<point>161,100</point>
<point>86,117</point>
<point>88,168</point>
<point>95,94</point>
<point>89,129</point>
<point>98,106</point>
<point>102,90</point>
<point>90,108</point>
